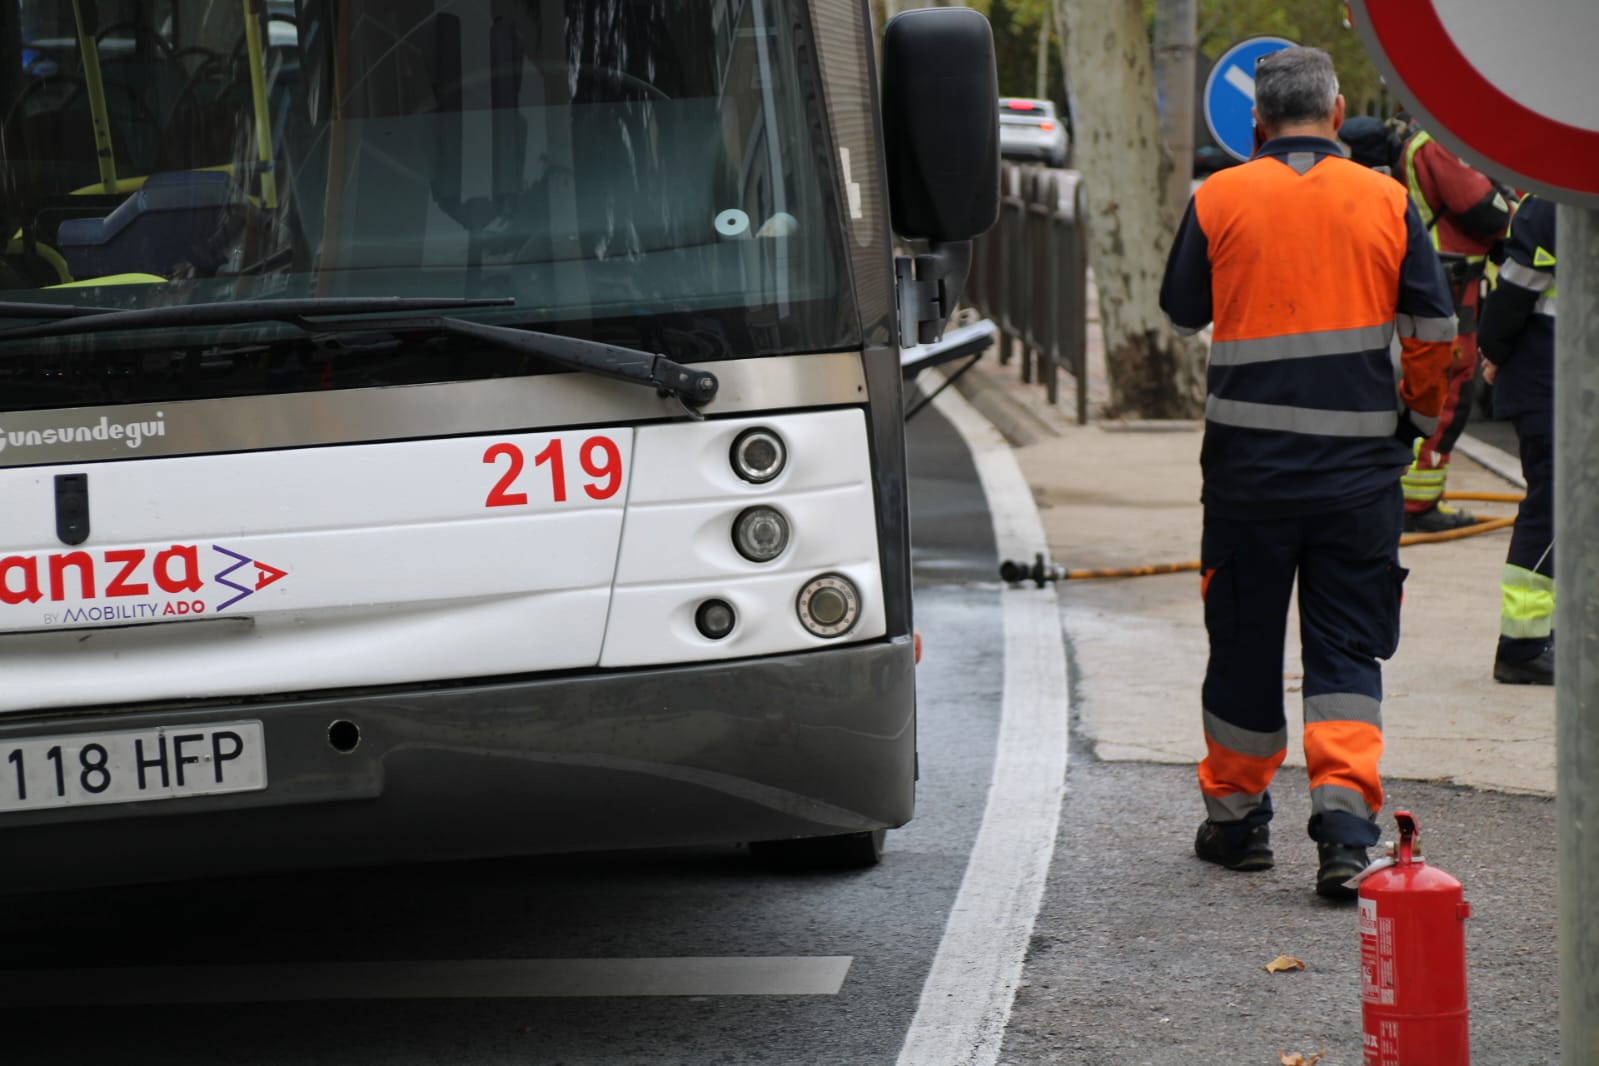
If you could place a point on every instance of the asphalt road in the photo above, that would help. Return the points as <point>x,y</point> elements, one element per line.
<point>450,964</point>
<point>1144,956</point>
<point>1140,955</point>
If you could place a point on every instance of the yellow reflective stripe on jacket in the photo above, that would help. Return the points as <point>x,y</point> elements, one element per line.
<point>1527,603</point>
<point>1423,208</point>
<point>1417,197</point>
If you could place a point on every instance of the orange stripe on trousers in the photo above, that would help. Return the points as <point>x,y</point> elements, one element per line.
<point>1346,754</point>
<point>1223,771</point>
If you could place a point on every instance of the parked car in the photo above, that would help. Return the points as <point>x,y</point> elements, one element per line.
<point>1030,131</point>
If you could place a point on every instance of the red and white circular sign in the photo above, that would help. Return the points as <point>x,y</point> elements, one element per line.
<point>1512,88</point>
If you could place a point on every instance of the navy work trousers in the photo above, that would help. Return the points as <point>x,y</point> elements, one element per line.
<point>1346,563</point>
<point>1532,538</point>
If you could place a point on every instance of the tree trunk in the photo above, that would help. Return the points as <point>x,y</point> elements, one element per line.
<point>1176,24</point>
<point>1131,222</point>
<point>1041,71</point>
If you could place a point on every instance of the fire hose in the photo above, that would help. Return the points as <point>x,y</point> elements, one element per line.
<point>1041,571</point>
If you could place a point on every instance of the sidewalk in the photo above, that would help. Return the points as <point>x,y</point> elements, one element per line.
<point>1115,494</point>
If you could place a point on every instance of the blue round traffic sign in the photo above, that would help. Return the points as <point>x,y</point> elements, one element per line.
<point>1230,94</point>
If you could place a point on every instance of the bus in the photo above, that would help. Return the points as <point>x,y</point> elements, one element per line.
<point>434,429</point>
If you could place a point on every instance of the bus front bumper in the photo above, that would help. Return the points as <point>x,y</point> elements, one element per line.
<point>804,745</point>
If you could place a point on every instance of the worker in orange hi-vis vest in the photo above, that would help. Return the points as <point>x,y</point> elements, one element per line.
<point>1311,266</point>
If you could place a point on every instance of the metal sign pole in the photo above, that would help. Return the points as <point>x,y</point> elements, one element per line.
<point>1577,629</point>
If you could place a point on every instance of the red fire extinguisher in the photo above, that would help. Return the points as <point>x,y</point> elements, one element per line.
<point>1413,960</point>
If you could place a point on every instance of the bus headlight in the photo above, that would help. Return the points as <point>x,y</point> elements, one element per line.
<point>829,605</point>
<point>760,534</point>
<point>758,455</point>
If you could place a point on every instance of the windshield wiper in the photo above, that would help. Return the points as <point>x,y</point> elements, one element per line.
<point>694,388</point>
<point>691,386</point>
<point>78,321</point>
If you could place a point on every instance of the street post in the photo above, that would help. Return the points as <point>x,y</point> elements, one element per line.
<point>1512,95</point>
<point>1577,626</point>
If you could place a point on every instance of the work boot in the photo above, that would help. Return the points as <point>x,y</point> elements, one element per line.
<point>1439,518</point>
<point>1538,670</point>
<point>1339,862</point>
<point>1246,851</point>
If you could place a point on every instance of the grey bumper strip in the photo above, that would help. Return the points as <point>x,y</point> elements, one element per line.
<point>429,979</point>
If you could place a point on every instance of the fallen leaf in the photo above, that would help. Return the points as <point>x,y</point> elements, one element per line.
<point>1296,1059</point>
<point>1283,963</point>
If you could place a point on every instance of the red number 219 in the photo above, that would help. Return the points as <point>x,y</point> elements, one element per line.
<point>599,457</point>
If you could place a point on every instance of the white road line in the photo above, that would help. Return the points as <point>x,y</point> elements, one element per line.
<point>966,1002</point>
<point>820,975</point>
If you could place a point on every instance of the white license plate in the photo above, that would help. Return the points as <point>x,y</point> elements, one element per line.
<point>132,765</point>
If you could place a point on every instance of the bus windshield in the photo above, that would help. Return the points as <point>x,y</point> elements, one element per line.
<point>651,173</point>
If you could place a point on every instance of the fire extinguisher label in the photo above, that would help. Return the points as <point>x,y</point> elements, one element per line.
<point>1377,976</point>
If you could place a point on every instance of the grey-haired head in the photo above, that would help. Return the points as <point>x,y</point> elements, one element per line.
<point>1296,87</point>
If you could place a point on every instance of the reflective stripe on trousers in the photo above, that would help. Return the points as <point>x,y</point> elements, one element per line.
<point>1527,604</point>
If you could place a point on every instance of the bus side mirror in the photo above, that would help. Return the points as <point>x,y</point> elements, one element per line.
<point>941,123</point>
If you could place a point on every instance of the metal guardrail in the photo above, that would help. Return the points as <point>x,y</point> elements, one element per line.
<point>1030,275</point>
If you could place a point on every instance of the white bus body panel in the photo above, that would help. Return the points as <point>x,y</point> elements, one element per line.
<point>360,565</point>
<point>677,551</point>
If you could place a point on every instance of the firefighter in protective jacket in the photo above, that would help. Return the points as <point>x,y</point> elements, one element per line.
<point>1309,265</point>
<point>1466,214</point>
<point>1518,342</point>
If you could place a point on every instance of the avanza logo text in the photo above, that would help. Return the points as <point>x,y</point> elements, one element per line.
<point>127,573</point>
